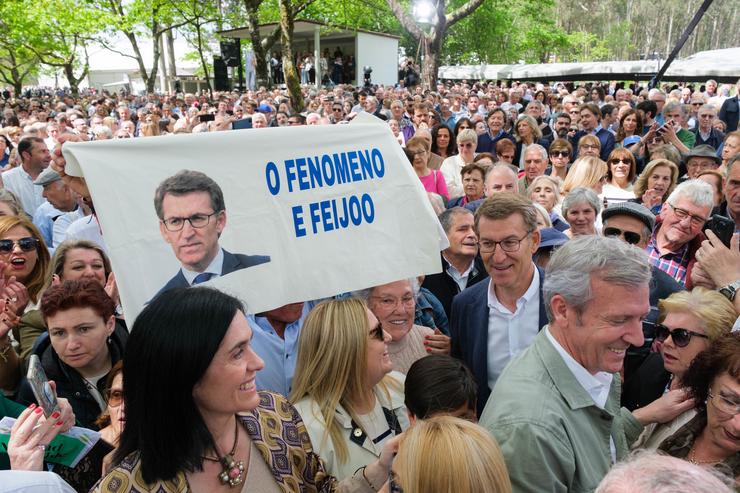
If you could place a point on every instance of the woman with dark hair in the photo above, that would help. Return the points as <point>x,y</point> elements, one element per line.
<point>629,131</point>
<point>462,124</point>
<point>439,384</point>
<point>82,346</point>
<point>442,142</point>
<point>597,96</point>
<point>620,175</point>
<point>200,425</point>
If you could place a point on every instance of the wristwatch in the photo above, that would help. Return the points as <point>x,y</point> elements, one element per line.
<point>730,290</point>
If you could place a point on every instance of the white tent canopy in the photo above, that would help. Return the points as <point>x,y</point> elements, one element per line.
<point>723,65</point>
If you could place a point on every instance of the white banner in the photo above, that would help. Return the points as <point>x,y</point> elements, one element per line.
<point>335,208</point>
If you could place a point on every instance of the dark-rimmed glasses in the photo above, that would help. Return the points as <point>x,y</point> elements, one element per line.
<point>680,337</point>
<point>377,332</point>
<point>197,221</point>
<point>508,245</point>
<point>560,154</point>
<point>27,244</point>
<point>682,214</point>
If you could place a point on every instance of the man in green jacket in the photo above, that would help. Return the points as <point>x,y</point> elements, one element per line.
<point>555,409</point>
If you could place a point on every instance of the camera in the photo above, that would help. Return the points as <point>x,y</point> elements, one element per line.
<point>367,70</point>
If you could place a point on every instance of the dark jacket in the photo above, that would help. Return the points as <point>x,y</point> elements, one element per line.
<point>729,113</point>
<point>445,288</point>
<point>70,384</point>
<point>469,332</point>
<point>715,138</point>
<point>232,262</point>
<point>518,152</point>
<point>606,138</point>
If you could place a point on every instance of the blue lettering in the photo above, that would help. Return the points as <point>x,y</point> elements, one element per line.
<point>325,216</point>
<point>290,173</point>
<point>313,209</point>
<point>273,178</point>
<point>340,163</point>
<point>378,163</point>
<point>353,166</point>
<point>329,175</point>
<point>365,165</point>
<point>368,208</point>
<point>302,174</point>
<point>314,171</point>
<point>354,211</point>
<point>298,221</point>
<point>344,220</point>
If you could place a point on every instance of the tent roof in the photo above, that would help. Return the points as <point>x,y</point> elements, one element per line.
<point>723,65</point>
<point>302,29</point>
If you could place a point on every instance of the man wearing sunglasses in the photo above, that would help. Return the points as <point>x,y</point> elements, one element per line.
<point>192,216</point>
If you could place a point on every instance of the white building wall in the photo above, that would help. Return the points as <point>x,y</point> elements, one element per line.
<point>380,53</point>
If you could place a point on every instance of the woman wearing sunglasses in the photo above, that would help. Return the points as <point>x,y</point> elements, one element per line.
<point>620,174</point>
<point>344,388</point>
<point>711,438</point>
<point>688,322</point>
<point>561,152</point>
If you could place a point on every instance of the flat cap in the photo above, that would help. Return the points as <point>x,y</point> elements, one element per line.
<point>633,209</point>
<point>46,177</point>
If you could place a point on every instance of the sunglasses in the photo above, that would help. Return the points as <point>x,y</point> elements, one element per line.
<point>680,337</point>
<point>560,154</point>
<point>620,160</point>
<point>377,332</point>
<point>115,397</point>
<point>629,236</point>
<point>27,244</point>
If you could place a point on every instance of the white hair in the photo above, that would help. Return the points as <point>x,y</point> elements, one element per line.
<point>699,192</point>
<point>650,472</point>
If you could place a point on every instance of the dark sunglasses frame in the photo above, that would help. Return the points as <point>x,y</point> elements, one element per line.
<point>560,154</point>
<point>680,337</point>
<point>629,236</point>
<point>27,244</point>
<point>377,332</point>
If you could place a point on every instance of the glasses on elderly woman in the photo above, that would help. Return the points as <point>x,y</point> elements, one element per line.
<point>114,397</point>
<point>724,404</point>
<point>680,337</point>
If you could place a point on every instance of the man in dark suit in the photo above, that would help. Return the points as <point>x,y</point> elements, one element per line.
<point>461,265</point>
<point>493,321</point>
<point>192,216</point>
<point>730,111</point>
<point>590,123</point>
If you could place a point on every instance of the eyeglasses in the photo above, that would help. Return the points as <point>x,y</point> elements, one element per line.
<point>680,337</point>
<point>114,397</point>
<point>336,109</point>
<point>589,146</point>
<point>629,236</point>
<point>377,332</point>
<point>724,405</point>
<point>560,154</point>
<point>509,245</point>
<point>620,160</point>
<point>26,244</point>
<point>388,303</point>
<point>197,221</point>
<point>696,104</point>
<point>682,214</point>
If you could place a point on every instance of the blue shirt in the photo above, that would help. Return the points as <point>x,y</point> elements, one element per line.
<point>278,353</point>
<point>44,220</point>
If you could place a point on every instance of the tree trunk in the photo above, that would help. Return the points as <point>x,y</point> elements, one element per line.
<point>139,59</point>
<point>286,38</point>
<point>74,83</point>
<point>262,77</point>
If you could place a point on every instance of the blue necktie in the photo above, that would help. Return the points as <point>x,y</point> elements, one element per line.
<point>202,277</point>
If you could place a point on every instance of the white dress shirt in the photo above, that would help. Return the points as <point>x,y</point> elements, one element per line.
<point>510,333</point>
<point>460,278</point>
<point>18,181</point>
<point>597,385</point>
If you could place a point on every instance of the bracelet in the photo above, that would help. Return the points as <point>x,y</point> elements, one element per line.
<point>367,481</point>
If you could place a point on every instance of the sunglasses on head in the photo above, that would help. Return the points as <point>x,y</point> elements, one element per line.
<point>629,236</point>
<point>680,337</point>
<point>27,244</point>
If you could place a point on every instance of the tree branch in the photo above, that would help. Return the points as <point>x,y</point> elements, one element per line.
<point>107,47</point>
<point>406,22</point>
<point>463,11</point>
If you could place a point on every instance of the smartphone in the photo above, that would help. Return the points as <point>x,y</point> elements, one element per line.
<point>721,226</point>
<point>207,117</point>
<point>45,396</point>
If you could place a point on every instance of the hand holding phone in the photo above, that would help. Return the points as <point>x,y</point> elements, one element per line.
<point>44,393</point>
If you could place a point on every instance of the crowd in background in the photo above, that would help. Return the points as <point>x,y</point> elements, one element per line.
<point>579,337</point>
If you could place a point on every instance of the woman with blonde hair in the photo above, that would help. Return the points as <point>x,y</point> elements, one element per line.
<point>9,204</point>
<point>688,323</point>
<point>344,388</point>
<point>471,463</point>
<point>526,133</point>
<point>467,141</point>
<point>588,172</point>
<point>545,191</point>
<point>655,184</point>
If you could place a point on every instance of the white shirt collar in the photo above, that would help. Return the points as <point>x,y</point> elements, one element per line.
<point>597,385</point>
<point>531,291</point>
<point>215,268</point>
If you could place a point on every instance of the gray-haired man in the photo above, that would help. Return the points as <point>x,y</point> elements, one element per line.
<point>555,409</point>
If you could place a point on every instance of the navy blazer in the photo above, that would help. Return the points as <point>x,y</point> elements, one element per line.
<point>232,262</point>
<point>469,332</point>
<point>730,113</point>
<point>606,139</point>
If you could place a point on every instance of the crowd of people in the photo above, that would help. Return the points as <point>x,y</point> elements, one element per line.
<point>580,337</point>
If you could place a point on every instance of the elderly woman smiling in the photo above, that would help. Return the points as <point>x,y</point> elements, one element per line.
<point>580,208</point>
<point>394,304</point>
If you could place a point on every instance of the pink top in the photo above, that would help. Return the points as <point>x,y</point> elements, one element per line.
<point>434,182</point>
